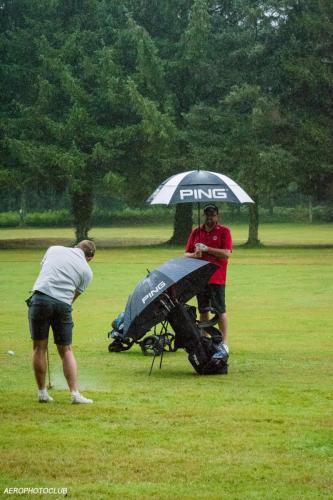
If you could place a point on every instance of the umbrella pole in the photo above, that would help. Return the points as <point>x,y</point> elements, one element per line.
<point>199,220</point>
<point>50,385</point>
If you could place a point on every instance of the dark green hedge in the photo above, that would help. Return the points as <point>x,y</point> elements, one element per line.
<point>155,215</point>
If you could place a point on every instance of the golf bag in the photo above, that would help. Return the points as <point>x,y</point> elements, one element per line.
<point>202,341</point>
<point>204,346</point>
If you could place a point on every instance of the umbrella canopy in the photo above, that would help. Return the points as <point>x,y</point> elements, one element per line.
<point>145,307</point>
<point>198,186</point>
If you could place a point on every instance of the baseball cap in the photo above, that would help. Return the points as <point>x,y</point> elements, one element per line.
<point>210,206</point>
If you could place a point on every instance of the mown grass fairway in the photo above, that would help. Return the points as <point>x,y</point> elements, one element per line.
<point>269,234</point>
<point>262,431</point>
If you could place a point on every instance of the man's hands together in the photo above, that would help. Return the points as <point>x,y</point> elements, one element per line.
<point>201,247</point>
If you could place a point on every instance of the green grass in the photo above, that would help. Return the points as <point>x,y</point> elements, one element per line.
<point>269,234</point>
<point>264,431</point>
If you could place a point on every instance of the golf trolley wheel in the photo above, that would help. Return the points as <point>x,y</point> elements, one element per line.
<point>151,345</point>
<point>157,343</point>
<point>169,344</point>
<point>119,346</point>
<point>115,346</point>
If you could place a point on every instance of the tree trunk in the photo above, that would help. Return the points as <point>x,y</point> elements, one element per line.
<point>82,206</point>
<point>182,225</point>
<point>253,239</point>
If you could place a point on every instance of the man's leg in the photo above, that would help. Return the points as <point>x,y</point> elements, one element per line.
<point>39,324</point>
<point>223,327</point>
<point>204,303</point>
<point>218,303</point>
<point>69,365</point>
<point>70,372</point>
<point>204,316</point>
<point>62,329</point>
<point>39,361</point>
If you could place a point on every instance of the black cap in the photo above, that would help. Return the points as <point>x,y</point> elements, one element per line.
<point>210,206</point>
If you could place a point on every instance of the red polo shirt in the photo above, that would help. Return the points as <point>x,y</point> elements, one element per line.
<point>218,237</point>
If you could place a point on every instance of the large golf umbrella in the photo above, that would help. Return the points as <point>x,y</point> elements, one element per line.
<point>198,186</point>
<point>149,302</point>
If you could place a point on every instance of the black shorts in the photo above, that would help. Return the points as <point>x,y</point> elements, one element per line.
<point>45,311</point>
<point>212,296</point>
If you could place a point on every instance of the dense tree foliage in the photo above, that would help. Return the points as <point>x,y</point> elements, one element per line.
<point>108,97</point>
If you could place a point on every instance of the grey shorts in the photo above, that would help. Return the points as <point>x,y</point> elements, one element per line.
<point>46,312</point>
<point>212,296</point>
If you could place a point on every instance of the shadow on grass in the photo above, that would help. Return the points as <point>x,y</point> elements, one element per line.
<point>166,374</point>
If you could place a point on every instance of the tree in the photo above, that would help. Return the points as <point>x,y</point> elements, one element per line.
<point>246,130</point>
<point>190,84</point>
<point>25,161</point>
<point>94,91</point>
<point>146,129</point>
<point>303,77</point>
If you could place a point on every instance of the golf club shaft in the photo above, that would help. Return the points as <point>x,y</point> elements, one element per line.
<point>48,368</point>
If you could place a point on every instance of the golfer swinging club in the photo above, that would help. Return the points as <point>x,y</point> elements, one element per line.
<point>65,274</point>
<point>212,242</point>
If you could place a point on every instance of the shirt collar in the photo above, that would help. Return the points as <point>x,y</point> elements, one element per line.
<point>80,251</point>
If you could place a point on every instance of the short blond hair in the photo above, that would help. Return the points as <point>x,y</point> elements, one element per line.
<point>88,247</point>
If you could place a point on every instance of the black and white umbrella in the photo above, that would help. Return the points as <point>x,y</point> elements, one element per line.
<point>198,186</point>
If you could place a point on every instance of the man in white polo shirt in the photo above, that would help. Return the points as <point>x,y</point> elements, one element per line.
<point>64,275</point>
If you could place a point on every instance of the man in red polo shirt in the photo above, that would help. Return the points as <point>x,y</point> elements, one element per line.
<point>212,242</point>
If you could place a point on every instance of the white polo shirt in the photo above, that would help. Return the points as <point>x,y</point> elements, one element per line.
<point>63,272</point>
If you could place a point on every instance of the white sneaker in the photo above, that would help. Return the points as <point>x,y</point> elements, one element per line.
<point>78,399</point>
<point>44,396</point>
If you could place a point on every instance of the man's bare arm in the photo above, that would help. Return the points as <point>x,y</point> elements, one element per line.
<point>195,255</point>
<point>220,253</point>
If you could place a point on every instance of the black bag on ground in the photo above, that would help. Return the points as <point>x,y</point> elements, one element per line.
<point>187,334</point>
<point>204,347</point>
<point>216,353</point>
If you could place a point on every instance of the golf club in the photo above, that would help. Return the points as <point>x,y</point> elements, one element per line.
<point>50,385</point>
